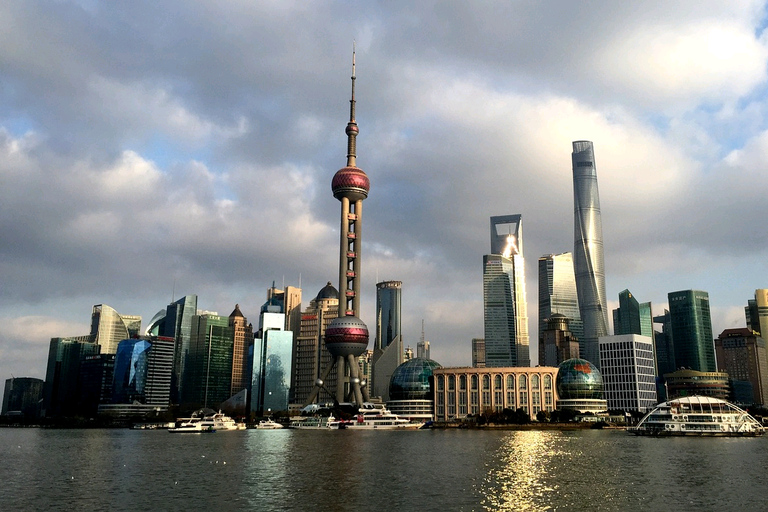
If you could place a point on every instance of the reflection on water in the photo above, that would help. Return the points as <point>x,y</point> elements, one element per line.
<point>518,477</point>
<point>469,470</point>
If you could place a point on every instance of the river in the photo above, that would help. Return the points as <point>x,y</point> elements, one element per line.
<point>466,470</point>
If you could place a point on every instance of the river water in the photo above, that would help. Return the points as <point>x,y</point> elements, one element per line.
<point>44,469</point>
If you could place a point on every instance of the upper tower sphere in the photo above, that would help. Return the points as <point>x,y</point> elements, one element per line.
<point>350,182</point>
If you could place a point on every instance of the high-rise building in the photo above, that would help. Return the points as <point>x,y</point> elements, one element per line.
<point>286,302</point>
<point>504,301</point>
<point>588,251</point>
<point>110,327</point>
<point>478,352</point>
<point>311,355</point>
<point>757,313</point>
<point>62,376</point>
<point>626,318</point>
<point>142,371</point>
<point>346,338</point>
<point>272,362</point>
<point>664,345</point>
<point>175,321</point>
<point>629,377</point>
<point>208,370</point>
<point>22,396</point>
<point>558,343</point>
<point>243,339</point>
<point>692,330</point>
<point>388,345</point>
<point>557,295</point>
<point>743,356</point>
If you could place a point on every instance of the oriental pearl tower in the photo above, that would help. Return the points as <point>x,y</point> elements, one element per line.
<point>346,337</point>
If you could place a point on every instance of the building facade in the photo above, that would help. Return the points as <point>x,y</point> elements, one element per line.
<point>21,397</point>
<point>463,391</point>
<point>62,376</point>
<point>558,344</point>
<point>692,330</point>
<point>628,370</point>
<point>757,313</point>
<point>143,370</point>
<point>478,352</point>
<point>108,327</point>
<point>743,355</point>
<point>388,351</point>
<point>588,261</point>
<point>557,294</point>
<point>271,375</point>
<point>691,382</point>
<point>243,339</point>
<point>208,370</point>
<point>505,310</point>
<point>311,354</point>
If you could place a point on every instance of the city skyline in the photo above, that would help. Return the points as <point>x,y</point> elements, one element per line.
<point>159,167</point>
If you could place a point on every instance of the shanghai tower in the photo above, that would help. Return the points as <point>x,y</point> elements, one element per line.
<point>588,251</point>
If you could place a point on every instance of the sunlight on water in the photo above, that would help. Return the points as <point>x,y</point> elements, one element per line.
<point>518,476</point>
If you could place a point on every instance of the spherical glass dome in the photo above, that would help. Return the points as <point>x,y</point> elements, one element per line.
<point>579,379</point>
<point>410,380</point>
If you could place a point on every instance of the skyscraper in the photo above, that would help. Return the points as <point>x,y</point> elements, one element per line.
<point>692,330</point>
<point>757,313</point>
<point>272,363</point>
<point>505,310</point>
<point>627,366</point>
<point>208,372</point>
<point>346,338</point>
<point>588,251</point>
<point>311,355</point>
<point>743,356</point>
<point>62,377</point>
<point>388,345</point>
<point>557,295</point>
<point>243,339</point>
<point>109,327</point>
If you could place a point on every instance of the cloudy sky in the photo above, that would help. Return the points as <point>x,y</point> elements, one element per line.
<point>150,148</point>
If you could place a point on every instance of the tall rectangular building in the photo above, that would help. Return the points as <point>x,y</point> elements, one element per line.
<point>588,251</point>
<point>664,345</point>
<point>557,294</point>
<point>757,313</point>
<point>692,330</point>
<point>271,374</point>
<point>311,354</point>
<point>388,346</point>
<point>208,371</point>
<point>504,301</point>
<point>629,377</point>
<point>743,355</point>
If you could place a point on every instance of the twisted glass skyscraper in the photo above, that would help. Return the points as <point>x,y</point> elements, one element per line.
<point>588,251</point>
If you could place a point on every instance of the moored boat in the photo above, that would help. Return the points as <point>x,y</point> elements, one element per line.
<point>206,421</point>
<point>311,422</point>
<point>374,417</point>
<point>697,416</point>
<point>268,424</point>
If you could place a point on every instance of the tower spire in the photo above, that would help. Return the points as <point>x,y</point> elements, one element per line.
<point>352,129</point>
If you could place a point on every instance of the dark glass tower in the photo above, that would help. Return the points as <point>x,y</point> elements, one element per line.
<point>692,330</point>
<point>557,294</point>
<point>588,251</point>
<point>388,312</point>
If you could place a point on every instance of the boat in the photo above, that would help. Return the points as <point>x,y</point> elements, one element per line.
<point>205,421</point>
<point>268,424</point>
<point>311,422</point>
<point>374,417</point>
<point>697,416</point>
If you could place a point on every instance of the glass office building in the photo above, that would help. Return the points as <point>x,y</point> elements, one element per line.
<point>691,324</point>
<point>588,251</point>
<point>388,312</point>
<point>271,375</point>
<point>557,293</point>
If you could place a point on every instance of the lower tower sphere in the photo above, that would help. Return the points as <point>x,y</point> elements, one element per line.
<point>346,335</point>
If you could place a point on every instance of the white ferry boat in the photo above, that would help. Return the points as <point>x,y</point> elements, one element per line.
<point>311,422</point>
<point>202,422</point>
<point>374,417</point>
<point>697,416</point>
<point>268,424</point>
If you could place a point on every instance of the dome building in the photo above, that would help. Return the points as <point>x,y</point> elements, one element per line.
<point>411,389</point>
<point>579,387</point>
